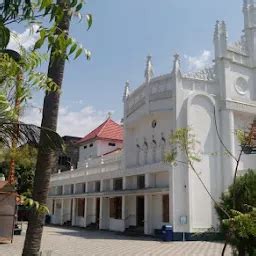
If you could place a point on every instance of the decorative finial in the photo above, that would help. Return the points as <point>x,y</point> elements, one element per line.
<point>126,91</point>
<point>223,27</point>
<point>220,30</point>
<point>217,29</point>
<point>149,73</point>
<point>246,4</point>
<point>109,115</point>
<point>176,64</point>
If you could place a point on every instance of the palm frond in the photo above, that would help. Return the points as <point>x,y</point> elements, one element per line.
<point>29,134</point>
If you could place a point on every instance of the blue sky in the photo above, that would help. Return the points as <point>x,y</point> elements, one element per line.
<point>124,32</point>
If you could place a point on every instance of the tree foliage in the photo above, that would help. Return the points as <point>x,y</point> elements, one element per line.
<point>241,226</point>
<point>25,161</point>
<point>45,12</point>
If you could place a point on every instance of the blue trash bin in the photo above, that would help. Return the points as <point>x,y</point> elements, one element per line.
<point>167,233</point>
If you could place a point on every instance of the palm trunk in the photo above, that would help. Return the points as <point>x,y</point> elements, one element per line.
<point>45,160</point>
<point>19,83</point>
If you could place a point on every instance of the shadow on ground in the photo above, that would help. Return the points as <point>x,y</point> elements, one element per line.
<point>96,234</point>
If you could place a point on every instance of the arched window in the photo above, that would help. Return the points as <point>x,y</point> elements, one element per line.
<point>138,154</point>
<point>154,146</point>
<point>145,150</point>
<point>162,145</point>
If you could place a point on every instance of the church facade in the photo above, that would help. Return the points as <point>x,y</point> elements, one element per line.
<point>122,181</point>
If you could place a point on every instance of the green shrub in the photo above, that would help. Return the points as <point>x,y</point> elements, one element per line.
<point>240,227</point>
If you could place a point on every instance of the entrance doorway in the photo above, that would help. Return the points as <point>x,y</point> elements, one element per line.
<point>97,211</point>
<point>140,211</point>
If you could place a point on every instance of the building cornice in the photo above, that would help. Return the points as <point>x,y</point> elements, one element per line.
<point>114,193</point>
<point>239,106</point>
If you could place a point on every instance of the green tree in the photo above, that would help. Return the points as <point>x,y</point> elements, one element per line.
<point>25,162</point>
<point>241,226</point>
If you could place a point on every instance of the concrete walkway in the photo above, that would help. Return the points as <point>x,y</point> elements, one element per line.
<point>59,241</point>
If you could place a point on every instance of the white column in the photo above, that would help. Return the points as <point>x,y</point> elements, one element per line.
<point>86,187</point>
<point>148,215</point>
<point>228,137</point>
<point>94,186</point>
<point>123,212</point>
<point>74,212</point>
<point>124,183</point>
<point>94,209</point>
<point>147,180</point>
<point>61,211</point>
<point>171,197</point>
<point>101,224</point>
<point>54,206</point>
<point>111,184</point>
<point>101,185</point>
<point>85,212</point>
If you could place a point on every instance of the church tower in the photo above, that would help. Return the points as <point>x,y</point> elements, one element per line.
<point>249,10</point>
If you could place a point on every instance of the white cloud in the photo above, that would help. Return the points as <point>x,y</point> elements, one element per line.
<point>198,62</point>
<point>74,123</point>
<point>27,39</point>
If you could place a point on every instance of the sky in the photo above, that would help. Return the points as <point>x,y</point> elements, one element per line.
<point>124,32</point>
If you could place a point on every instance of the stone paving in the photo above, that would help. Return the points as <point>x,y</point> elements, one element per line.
<point>59,241</point>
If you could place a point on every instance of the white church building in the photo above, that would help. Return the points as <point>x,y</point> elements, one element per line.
<point>122,181</point>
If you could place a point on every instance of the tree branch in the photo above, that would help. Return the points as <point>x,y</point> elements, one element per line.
<point>219,137</point>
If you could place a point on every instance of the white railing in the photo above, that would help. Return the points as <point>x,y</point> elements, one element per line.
<point>96,162</point>
<point>108,163</point>
<point>157,86</point>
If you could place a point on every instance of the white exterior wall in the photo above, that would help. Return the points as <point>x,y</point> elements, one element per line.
<point>103,146</point>
<point>99,148</point>
<point>67,210</point>
<point>157,212</point>
<point>89,152</point>
<point>139,130</point>
<point>56,218</point>
<point>162,179</point>
<point>131,182</point>
<point>130,211</point>
<point>116,225</point>
<point>105,220</point>
<point>91,211</point>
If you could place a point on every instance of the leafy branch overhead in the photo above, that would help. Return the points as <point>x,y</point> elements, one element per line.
<point>41,12</point>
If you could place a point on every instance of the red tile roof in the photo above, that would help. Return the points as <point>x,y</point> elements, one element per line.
<point>109,130</point>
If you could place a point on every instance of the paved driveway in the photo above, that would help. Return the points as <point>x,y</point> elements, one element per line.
<point>77,242</point>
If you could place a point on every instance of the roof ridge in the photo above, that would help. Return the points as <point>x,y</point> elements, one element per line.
<point>103,126</point>
<point>109,129</point>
